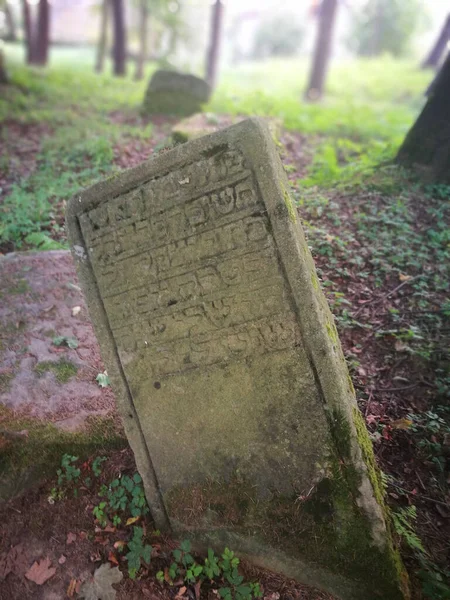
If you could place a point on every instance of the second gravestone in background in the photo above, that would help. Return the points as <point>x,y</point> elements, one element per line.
<point>173,93</point>
<point>227,365</point>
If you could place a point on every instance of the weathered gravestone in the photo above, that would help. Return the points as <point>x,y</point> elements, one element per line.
<point>227,364</point>
<point>173,93</point>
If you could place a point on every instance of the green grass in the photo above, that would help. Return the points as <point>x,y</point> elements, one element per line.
<point>63,369</point>
<point>368,107</point>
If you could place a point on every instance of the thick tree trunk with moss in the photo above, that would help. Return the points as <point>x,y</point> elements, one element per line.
<point>212,58</point>
<point>322,50</point>
<point>427,145</point>
<point>103,37</point>
<point>437,51</point>
<point>143,33</point>
<point>119,49</point>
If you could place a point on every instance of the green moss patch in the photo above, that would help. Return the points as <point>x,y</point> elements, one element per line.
<point>5,380</point>
<point>63,369</point>
<point>324,527</point>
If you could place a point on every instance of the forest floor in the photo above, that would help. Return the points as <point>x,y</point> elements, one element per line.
<point>381,243</point>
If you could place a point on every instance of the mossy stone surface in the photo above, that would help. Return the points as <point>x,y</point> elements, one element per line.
<point>31,459</point>
<point>174,93</point>
<point>227,365</point>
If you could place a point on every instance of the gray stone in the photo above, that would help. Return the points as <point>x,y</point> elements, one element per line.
<point>227,365</point>
<point>174,93</point>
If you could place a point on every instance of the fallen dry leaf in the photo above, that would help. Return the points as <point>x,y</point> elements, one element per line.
<point>95,556</point>
<point>72,588</point>
<point>181,592</point>
<point>404,277</point>
<point>71,537</point>
<point>197,590</point>
<point>100,586</point>
<point>112,558</point>
<point>14,561</point>
<point>132,520</point>
<point>41,571</point>
<point>401,346</point>
<point>401,424</point>
<point>100,539</point>
<point>119,544</point>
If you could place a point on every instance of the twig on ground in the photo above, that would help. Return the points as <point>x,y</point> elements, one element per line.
<point>377,300</point>
<point>421,497</point>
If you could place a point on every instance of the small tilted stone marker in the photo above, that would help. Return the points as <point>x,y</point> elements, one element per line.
<point>174,93</point>
<point>227,366</point>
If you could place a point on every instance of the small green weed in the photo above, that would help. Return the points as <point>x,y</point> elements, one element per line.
<point>68,473</point>
<point>138,552</point>
<point>434,579</point>
<point>403,520</point>
<point>124,495</point>
<point>62,340</point>
<point>96,464</point>
<point>222,573</point>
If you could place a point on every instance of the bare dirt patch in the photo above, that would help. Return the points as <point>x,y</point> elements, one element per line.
<point>40,302</point>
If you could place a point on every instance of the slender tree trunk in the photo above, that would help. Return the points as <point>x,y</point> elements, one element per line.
<point>119,40</point>
<point>143,33</point>
<point>103,38</point>
<point>43,32</point>
<point>10,23</point>
<point>436,52</point>
<point>28,33</point>
<point>3,73</point>
<point>322,50</point>
<point>212,58</point>
<point>427,144</point>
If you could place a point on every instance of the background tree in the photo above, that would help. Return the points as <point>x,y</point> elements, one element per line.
<point>3,73</point>
<point>428,142</point>
<point>119,37</point>
<point>103,37</point>
<point>212,57</point>
<point>37,34</point>
<point>281,35</point>
<point>385,26</point>
<point>439,47</point>
<point>322,50</point>
<point>143,35</point>
<point>11,32</point>
<point>28,31</point>
<point>43,32</point>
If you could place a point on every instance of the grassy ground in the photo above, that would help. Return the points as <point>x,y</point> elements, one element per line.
<point>380,238</point>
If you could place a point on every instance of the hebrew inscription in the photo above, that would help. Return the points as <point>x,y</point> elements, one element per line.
<point>188,270</point>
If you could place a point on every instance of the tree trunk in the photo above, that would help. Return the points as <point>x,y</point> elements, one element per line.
<point>433,58</point>
<point>143,33</point>
<point>3,74</point>
<point>11,36</point>
<point>322,50</point>
<point>28,33</point>
<point>119,41</point>
<point>212,58</point>
<point>427,144</point>
<point>103,38</point>
<point>43,32</point>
